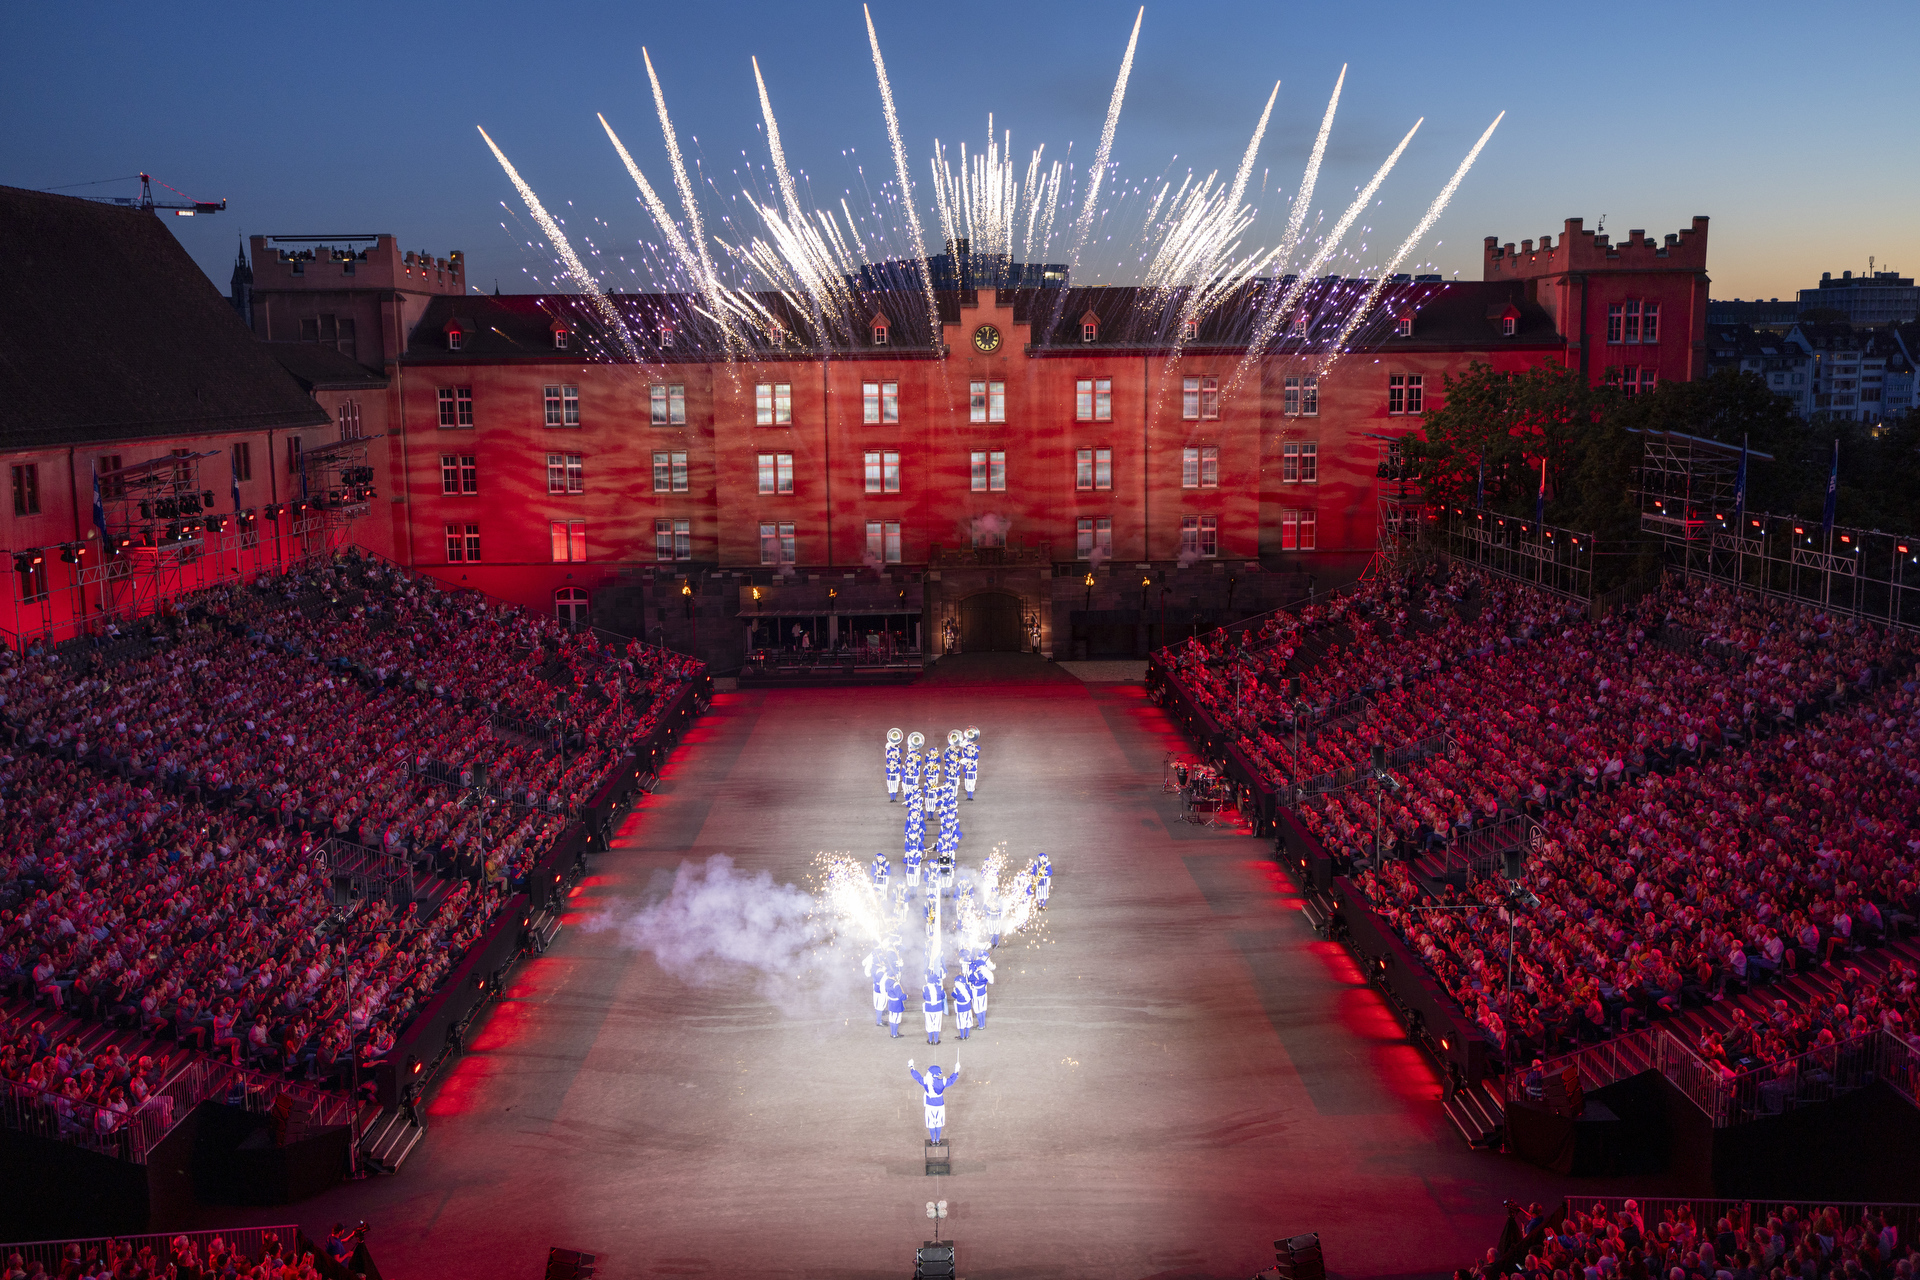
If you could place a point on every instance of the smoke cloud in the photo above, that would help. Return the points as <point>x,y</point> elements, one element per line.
<point>990,530</point>
<point>1189,557</point>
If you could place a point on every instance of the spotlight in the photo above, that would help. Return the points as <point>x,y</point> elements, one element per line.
<point>28,561</point>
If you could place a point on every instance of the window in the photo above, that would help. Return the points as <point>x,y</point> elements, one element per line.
<point>883,472</point>
<point>1093,400</point>
<point>242,464</point>
<point>1649,322</point>
<point>669,472</point>
<point>883,541</point>
<point>1199,536</point>
<point>1507,324</point>
<point>569,541</point>
<point>458,474</point>
<point>1189,537</point>
<point>776,473</point>
<point>1200,467</point>
<point>456,406</point>
<point>1199,398</point>
<point>565,474</point>
<point>26,489</point>
<point>111,486</point>
<point>1089,329</point>
<point>776,544</point>
<point>673,539</point>
<point>1189,330</point>
<point>31,569</point>
<point>1613,322</point>
<point>1300,322</point>
<point>1646,378</point>
<point>1093,469</point>
<point>1632,321</point>
<point>453,339</point>
<point>990,471</point>
<point>1298,531</point>
<point>463,544</point>
<point>563,406</point>
<point>987,402</point>
<point>879,335</point>
<point>1404,393</point>
<point>773,404</point>
<point>879,402</point>
<point>559,339</point>
<point>1300,463</point>
<point>1403,327</point>
<point>570,605</point>
<point>1093,535</point>
<point>1302,396</point>
<point>669,406</point>
<point>348,416</point>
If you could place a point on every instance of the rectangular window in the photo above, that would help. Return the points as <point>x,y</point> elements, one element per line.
<point>1083,538</point>
<point>880,401</point>
<point>1093,400</point>
<point>1190,399</point>
<point>26,489</point>
<point>1298,531</point>
<point>996,472</point>
<point>883,472</point>
<point>1083,469</point>
<point>562,406</point>
<point>1189,537</point>
<point>565,474</point>
<point>456,407</point>
<point>1646,378</point>
<point>569,541</point>
<point>672,540</point>
<point>1209,537</point>
<point>242,460</point>
<point>463,544</point>
<point>1650,322</point>
<point>1209,398</point>
<point>883,541</point>
<point>979,480</point>
<point>669,404</point>
<point>1290,404</point>
<point>1190,467</point>
<point>1310,463</point>
<point>1633,321</point>
<point>773,404</point>
<point>1209,466</point>
<point>1396,393</point>
<point>450,473</point>
<point>670,472</point>
<point>777,544</point>
<point>776,473</point>
<point>1613,322</point>
<point>348,416</point>
<point>1310,395</point>
<point>987,402</point>
<point>1103,468</point>
<point>1414,404</point>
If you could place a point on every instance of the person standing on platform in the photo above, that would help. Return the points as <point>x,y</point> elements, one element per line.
<point>970,760</point>
<point>962,1006</point>
<point>1043,881</point>
<point>896,1003</point>
<point>933,1003</point>
<point>894,738</point>
<point>934,1088</point>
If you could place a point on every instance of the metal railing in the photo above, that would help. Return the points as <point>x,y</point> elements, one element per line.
<point>377,872</point>
<point>1595,1066</point>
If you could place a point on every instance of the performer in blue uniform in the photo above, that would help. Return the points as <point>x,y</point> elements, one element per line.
<point>894,738</point>
<point>916,846</point>
<point>980,977</point>
<point>910,769</point>
<point>933,1002</point>
<point>970,759</point>
<point>1043,882</point>
<point>882,871</point>
<point>876,967</point>
<point>930,782</point>
<point>963,1006</point>
<point>896,1004</point>
<point>934,1086</point>
<point>950,760</point>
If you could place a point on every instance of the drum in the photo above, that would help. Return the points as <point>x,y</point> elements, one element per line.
<point>1180,775</point>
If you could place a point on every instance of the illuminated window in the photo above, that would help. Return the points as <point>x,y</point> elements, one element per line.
<point>559,338</point>
<point>1298,531</point>
<point>1093,469</point>
<point>569,541</point>
<point>1403,327</point>
<point>1189,330</point>
<point>879,335</point>
<point>1093,534</point>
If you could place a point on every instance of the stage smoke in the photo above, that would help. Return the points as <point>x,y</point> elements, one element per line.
<point>715,921</point>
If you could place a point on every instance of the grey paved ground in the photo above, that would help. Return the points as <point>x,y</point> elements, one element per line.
<point>1175,1072</point>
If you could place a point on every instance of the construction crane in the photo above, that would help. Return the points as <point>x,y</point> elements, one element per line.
<point>145,201</point>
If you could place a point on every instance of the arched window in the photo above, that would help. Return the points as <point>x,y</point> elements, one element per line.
<point>570,605</point>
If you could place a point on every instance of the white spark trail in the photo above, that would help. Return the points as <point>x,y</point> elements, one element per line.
<point>1439,205</point>
<point>905,179</point>
<point>575,268</point>
<point>689,262</point>
<point>710,286</point>
<point>1097,174</point>
<point>1270,323</point>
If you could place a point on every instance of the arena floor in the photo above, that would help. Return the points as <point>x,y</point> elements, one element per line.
<point>1175,1070</point>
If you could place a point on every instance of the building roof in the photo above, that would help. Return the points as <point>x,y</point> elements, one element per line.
<point>112,332</point>
<point>318,368</point>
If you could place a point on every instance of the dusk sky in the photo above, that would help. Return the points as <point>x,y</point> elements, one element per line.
<point>1787,124</point>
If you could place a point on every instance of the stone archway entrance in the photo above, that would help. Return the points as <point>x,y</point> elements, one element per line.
<point>990,623</point>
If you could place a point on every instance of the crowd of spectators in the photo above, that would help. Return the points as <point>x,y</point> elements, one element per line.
<point>1726,790</point>
<point>182,1258</point>
<point>1788,1242</point>
<point>163,814</point>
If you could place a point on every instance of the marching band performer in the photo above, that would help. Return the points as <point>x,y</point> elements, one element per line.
<point>963,1006</point>
<point>933,1002</point>
<point>896,1003</point>
<point>1043,881</point>
<point>894,738</point>
<point>970,759</point>
<point>934,1088</point>
<point>911,768</point>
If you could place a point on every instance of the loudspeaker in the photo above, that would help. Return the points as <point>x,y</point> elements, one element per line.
<point>1379,757</point>
<point>1513,860</point>
<point>939,1157</point>
<point>934,1261</point>
<point>569,1264</point>
<point>1299,1256</point>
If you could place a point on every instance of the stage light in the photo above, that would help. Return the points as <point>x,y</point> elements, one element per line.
<point>413,1065</point>
<point>70,552</point>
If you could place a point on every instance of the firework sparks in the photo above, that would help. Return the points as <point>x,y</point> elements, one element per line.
<point>905,178</point>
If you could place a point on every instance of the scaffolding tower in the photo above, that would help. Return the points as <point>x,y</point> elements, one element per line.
<point>1400,502</point>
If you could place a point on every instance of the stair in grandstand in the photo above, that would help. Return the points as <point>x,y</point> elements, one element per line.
<point>1309,652</point>
<point>1796,989</point>
<point>390,1139</point>
<point>1479,1111</point>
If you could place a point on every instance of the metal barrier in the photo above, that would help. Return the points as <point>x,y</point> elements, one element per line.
<point>370,869</point>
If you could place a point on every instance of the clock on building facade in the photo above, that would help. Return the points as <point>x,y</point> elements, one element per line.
<point>986,339</point>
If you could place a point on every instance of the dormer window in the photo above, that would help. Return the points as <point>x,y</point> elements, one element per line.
<point>879,323</point>
<point>1300,322</point>
<point>664,331</point>
<point>1089,327</point>
<point>1189,331</point>
<point>561,336</point>
<point>1507,325</point>
<point>456,332</point>
<point>1403,327</point>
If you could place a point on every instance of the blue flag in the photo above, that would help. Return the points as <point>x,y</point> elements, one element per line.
<point>1740,493</point>
<point>1833,491</point>
<point>99,508</point>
